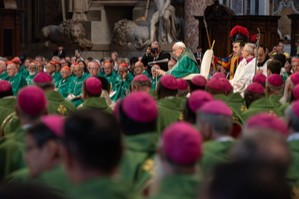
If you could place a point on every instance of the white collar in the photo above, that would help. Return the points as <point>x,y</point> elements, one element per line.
<point>293,137</point>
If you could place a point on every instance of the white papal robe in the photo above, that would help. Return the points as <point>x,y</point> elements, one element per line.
<point>243,75</point>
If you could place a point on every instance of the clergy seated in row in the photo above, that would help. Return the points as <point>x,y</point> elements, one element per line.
<point>31,105</point>
<point>137,115</point>
<point>91,92</point>
<point>177,175</point>
<point>215,122</point>
<point>169,105</point>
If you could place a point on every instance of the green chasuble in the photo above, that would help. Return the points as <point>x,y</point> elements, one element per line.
<point>186,65</point>
<point>274,99</point>
<point>77,88</point>
<point>29,79</point>
<point>23,70</point>
<point>236,103</point>
<point>17,82</point>
<point>170,110</point>
<point>58,105</point>
<point>7,106</point>
<point>111,78</point>
<point>11,153</point>
<point>122,87</point>
<point>96,103</point>
<point>293,173</point>
<point>65,86</point>
<point>154,82</point>
<point>259,106</point>
<point>11,124</point>
<point>179,186</point>
<point>21,175</point>
<point>215,152</point>
<point>137,163</point>
<point>4,76</point>
<point>56,78</point>
<point>146,74</point>
<point>102,187</point>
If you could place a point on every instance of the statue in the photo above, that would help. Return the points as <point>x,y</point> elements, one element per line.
<point>68,30</point>
<point>163,22</point>
<point>128,33</point>
<point>79,8</point>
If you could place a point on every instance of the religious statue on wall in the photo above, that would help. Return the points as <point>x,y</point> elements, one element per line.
<point>163,25</point>
<point>79,9</point>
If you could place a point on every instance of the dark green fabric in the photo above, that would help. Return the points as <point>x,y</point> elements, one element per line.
<point>58,105</point>
<point>214,153</point>
<point>4,76</point>
<point>11,125</point>
<point>29,79</point>
<point>179,186</point>
<point>186,65</point>
<point>96,103</point>
<point>17,82</point>
<point>77,88</point>
<point>56,78</point>
<point>21,175</point>
<point>65,86</point>
<point>137,163</point>
<point>170,110</point>
<point>23,70</point>
<point>260,106</point>
<point>122,87</point>
<point>101,188</point>
<point>11,157</point>
<point>293,173</point>
<point>112,79</point>
<point>7,106</point>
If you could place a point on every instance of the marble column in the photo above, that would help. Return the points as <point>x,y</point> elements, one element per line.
<point>193,8</point>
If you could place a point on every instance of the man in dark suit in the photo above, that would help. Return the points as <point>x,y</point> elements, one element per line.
<point>198,54</point>
<point>60,52</point>
<point>157,55</point>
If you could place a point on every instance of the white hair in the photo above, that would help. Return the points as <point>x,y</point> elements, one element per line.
<point>180,44</point>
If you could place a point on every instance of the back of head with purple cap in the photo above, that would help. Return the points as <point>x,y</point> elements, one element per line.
<point>138,113</point>
<point>253,92</point>
<point>196,100</point>
<point>92,87</point>
<point>215,86</point>
<point>215,117</point>
<point>198,82</point>
<point>260,78</point>
<point>141,83</point>
<point>31,102</point>
<point>167,86</point>
<point>183,87</point>
<point>181,144</point>
<point>274,83</point>
<point>266,121</point>
<point>44,81</point>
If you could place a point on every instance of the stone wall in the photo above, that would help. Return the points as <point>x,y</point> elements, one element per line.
<point>193,8</point>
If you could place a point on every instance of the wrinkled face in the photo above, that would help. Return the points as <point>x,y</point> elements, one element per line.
<point>114,56</point>
<point>121,70</point>
<point>35,158</point>
<point>2,66</point>
<point>295,66</point>
<point>32,69</point>
<point>245,52</point>
<point>261,56</point>
<point>65,73</point>
<point>237,50</point>
<point>94,69</point>
<point>77,71</point>
<point>176,51</point>
<point>108,68</point>
<point>38,61</point>
<point>11,70</point>
<point>139,68</point>
<point>50,68</point>
<point>62,62</point>
<point>27,62</point>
